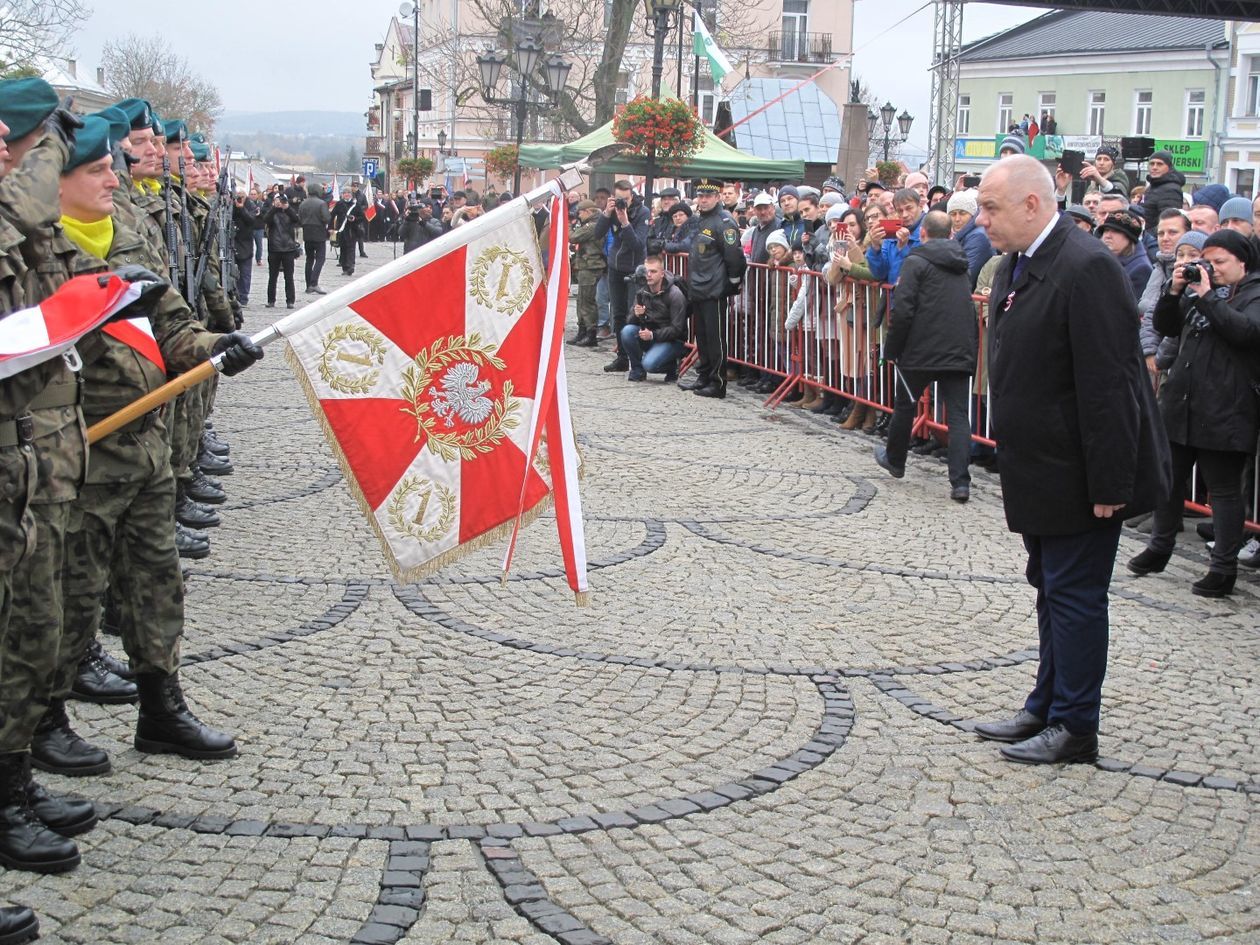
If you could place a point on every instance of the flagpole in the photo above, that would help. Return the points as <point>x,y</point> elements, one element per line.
<point>325,305</point>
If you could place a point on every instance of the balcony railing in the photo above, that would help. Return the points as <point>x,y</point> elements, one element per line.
<point>801,47</point>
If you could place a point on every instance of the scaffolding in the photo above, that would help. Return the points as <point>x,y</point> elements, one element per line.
<point>943,119</point>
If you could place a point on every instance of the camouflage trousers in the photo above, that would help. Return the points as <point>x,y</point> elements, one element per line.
<point>129,524</point>
<point>587,309</point>
<point>188,423</point>
<point>17,541</point>
<point>31,637</point>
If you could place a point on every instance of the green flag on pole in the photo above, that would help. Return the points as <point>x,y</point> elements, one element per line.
<point>706,47</point>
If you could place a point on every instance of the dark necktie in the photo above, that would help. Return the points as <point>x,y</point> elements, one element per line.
<point>1020,265</point>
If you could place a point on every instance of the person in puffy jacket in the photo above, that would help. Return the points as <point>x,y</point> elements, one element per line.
<point>932,338</point>
<point>1164,185</point>
<point>1208,399</point>
<point>280,223</point>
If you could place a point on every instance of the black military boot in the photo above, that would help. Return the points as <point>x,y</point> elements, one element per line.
<point>25,842</point>
<point>189,513</point>
<point>18,925</point>
<point>211,443</point>
<point>214,465</point>
<point>205,481</point>
<point>199,490</point>
<point>97,679</point>
<point>58,748</point>
<point>68,816</point>
<point>111,616</point>
<point>189,546</point>
<point>108,660</point>
<point>167,726</point>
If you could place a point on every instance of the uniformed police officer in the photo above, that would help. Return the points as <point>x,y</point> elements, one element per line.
<point>715,267</point>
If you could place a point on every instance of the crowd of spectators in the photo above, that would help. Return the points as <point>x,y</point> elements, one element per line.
<point>907,268</point>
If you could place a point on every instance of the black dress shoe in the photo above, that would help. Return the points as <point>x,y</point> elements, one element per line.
<point>1055,745</point>
<point>670,377</point>
<point>960,493</point>
<point>1214,584</point>
<point>694,383</point>
<point>68,816</point>
<point>881,457</point>
<point>18,925</point>
<point>717,391</point>
<point>1148,562</point>
<point>1023,725</point>
<point>616,365</point>
<point>58,748</point>
<point>95,681</point>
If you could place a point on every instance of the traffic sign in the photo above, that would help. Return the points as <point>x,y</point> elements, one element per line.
<point>369,167</point>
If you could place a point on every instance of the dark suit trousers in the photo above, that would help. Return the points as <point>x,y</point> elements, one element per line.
<point>954,388</point>
<point>1071,574</point>
<point>707,315</point>
<point>316,251</point>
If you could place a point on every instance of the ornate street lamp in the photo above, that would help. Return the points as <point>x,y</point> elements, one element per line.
<point>886,113</point>
<point>409,9</point>
<point>661,15</point>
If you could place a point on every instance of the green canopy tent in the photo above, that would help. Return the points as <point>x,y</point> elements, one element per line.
<point>715,158</point>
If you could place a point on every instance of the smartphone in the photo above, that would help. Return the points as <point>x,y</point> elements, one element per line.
<point>1072,162</point>
<point>971,181</point>
<point>891,226</point>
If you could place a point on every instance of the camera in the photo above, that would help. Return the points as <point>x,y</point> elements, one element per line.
<point>620,203</point>
<point>1193,272</point>
<point>436,193</point>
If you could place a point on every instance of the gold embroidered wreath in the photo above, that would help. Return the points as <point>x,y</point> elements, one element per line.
<point>348,383</point>
<point>413,529</point>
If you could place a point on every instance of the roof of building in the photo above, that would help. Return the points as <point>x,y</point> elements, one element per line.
<point>804,126</point>
<point>1096,31</point>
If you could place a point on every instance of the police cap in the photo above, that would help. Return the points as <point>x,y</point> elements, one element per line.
<point>25,104</point>
<point>707,185</point>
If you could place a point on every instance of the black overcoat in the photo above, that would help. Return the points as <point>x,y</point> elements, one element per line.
<point>1073,410</point>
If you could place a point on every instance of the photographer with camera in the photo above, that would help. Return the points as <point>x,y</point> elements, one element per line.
<point>244,222</point>
<point>418,225</point>
<point>653,337</point>
<point>280,221</point>
<point>1208,399</point>
<point>626,218</point>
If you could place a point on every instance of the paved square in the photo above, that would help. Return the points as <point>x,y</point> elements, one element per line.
<point>759,732</point>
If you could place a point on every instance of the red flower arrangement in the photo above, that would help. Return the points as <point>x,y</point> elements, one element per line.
<point>667,124</point>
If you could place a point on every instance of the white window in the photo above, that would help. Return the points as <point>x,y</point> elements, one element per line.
<point>1253,86</point>
<point>1046,102</point>
<point>625,88</point>
<point>1142,104</point>
<point>1006,111</point>
<point>1196,100</point>
<point>1245,182</point>
<point>1097,112</point>
<point>707,100</point>
<point>964,114</point>
<point>795,42</point>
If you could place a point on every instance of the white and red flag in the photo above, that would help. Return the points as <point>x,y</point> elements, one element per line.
<point>437,377</point>
<point>33,335</point>
<point>370,210</point>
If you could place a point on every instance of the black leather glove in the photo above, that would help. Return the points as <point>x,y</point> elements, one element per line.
<point>238,350</point>
<point>64,123</point>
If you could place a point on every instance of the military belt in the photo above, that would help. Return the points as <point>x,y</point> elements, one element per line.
<point>17,432</point>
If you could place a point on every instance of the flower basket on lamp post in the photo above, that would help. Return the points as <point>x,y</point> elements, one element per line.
<point>415,170</point>
<point>668,125</point>
<point>502,161</point>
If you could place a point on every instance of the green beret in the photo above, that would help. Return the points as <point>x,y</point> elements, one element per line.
<point>119,123</point>
<point>200,150</point>
<point>139,113</point>
<point>156,123</point>
<point>25,104</point>
<point>199,137</point>
<point>175,130</point>
<point>91,143</point>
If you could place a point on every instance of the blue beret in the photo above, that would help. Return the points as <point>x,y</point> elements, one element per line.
<point>91,143</point>
<point>139,113</point>
<point>119,123</point>
<point>25,104</point>
<point>175,130</point>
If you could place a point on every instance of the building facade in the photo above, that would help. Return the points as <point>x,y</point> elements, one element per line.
<point>1239,126</point>
<point>763,39</point>
<point>1101,76</point>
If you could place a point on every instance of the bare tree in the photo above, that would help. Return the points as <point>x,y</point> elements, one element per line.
<point>142,67</point>
<point>35,29</point>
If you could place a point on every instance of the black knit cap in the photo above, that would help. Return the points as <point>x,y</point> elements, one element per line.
<point>1235,244</point>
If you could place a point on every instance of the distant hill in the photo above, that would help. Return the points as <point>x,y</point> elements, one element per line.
<point>292,123</point>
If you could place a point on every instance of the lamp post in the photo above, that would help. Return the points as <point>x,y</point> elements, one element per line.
<point>885,114</point>
<point>528,53</point>
<point>413,10</point>
<point>661,15</point>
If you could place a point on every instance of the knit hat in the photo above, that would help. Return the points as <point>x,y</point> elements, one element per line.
<point>1109,150</point>
<point>1193,238</point>
<point>777,239</point>
<point>1081,212</point>
<point>1233,243</point>
<point>837,212</point>
<point>830,199</point>
<point>1235,208</point>
<point>91,143</point>
<point>916,177</point>
<point>25,104</point>
<point>806,191</point>
<point>787,190</point>
<point>1165,156</point>
<point>1123,222</point>
<point>963,200</point>
<point>680,207</point>
<point>834,183</point>
<point>1213,195</point>
<point>1012,143</point>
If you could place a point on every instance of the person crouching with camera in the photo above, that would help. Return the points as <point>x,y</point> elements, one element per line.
<point>1208,399</point>
<point>653,337</point>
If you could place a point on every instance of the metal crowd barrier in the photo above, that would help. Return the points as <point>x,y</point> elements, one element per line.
<point>837,344</point>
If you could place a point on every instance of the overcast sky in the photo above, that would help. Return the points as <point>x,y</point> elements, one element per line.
<point>270,56</point>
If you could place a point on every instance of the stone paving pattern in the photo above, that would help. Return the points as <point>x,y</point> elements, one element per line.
<point>758,732</point>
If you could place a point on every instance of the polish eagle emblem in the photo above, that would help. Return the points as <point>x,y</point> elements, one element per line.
<point>463,396</point>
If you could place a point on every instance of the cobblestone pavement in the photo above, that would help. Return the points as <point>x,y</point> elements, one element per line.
<point>759,732</point>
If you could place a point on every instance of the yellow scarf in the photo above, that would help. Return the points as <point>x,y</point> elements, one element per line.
<point>95,239</point>
<point>148,185</point>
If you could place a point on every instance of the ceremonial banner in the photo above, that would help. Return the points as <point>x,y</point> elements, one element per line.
<point>33,335</point>
<point>430,377</point>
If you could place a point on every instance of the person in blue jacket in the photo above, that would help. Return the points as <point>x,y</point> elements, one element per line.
<point>975,242</point>
<point>885,263</point>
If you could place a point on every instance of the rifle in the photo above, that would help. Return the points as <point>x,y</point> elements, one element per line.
<point>203,255</point>
<point>172,238</point>
<point>185,225</point>
<point>226,256</point>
